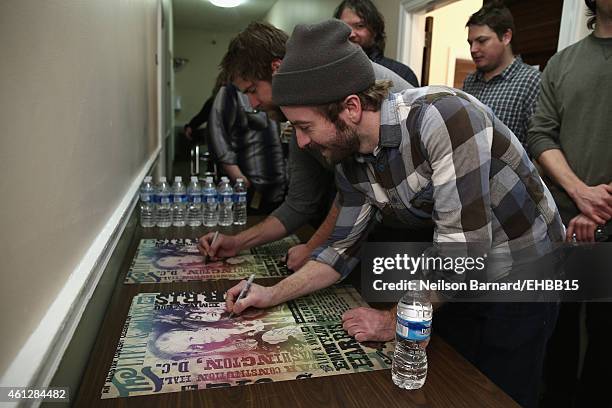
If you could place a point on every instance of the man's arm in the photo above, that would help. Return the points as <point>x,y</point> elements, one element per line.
<point>298,255</point>
<point>312,277</point>
<point>329,263</point>
<point>234,172</point>
<point>543,139</point>
<point>224,106</point>
<point>594,202</point>
<point>270,229</point>
<point>309,184</point>
<point>202,116</point>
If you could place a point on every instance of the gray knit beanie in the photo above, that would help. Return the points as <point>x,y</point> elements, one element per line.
<point>321,66</point>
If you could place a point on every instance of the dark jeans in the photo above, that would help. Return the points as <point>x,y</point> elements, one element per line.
<point>563,386</point>
<point>505,341</point>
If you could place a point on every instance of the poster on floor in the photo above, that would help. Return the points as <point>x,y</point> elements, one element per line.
<point>174,342</point>
<point>178,260</point>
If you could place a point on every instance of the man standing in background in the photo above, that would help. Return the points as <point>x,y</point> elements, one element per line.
<point>570,138</point>
<point>368,30</point>
<point>502,81</point>
<point>247,145</point>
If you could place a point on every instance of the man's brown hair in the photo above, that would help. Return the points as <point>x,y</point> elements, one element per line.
<point>495,15</point>
<point>371,100</point>
<point>250,54</point>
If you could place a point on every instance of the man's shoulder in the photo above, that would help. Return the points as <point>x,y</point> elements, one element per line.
<point>382,72</point>
<point>470,79</point>
<point>528,71</point>
<point>399,68</point>
<point>568,52</point>
<point>446,100</point>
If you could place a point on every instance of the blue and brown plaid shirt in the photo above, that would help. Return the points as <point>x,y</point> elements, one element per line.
<point>512,94</point>
<point>443,155</point>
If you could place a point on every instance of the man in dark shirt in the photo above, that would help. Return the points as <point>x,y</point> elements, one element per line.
<point>368,30</point>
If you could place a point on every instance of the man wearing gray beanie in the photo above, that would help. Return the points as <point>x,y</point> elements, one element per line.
<point>432,152</point>
<point>252,58</point>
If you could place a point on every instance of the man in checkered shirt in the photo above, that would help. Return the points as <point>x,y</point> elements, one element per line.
<point>431,152</point>
<point>502,81</point>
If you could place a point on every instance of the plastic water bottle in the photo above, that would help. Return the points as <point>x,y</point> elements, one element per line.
<point>211,207</point>
<point>164,203</point>
<point>226,216</point>
<point>147,203</point>
<point>194,206</point>
<point>179,204</point>
<point>414,313</point>
<point>240,202</point>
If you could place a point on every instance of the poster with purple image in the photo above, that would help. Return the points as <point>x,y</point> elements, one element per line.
<point>174,342</point>
<point>178,260</point>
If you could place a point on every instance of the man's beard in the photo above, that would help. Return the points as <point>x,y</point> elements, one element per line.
<point>345,144</point>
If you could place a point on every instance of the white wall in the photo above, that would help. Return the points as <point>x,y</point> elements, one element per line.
<point>77,124</point>
<point>285,14</point>
<point>573,23</point>
<point>195,81</point>
<point>449,40</point>
<point>390,11</point>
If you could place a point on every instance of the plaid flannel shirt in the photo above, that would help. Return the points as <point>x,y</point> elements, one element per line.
<point>512,94</point>
<point>443,154</point>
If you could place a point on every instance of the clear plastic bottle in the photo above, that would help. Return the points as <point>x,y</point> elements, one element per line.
<point>164,204</point>
<point>211,207</point>
<point>414,314</point>
<point>240,202</point>
<point>179,202</point>
<point>147,203</point>
<point>226,216</point>
<point>194,206</point>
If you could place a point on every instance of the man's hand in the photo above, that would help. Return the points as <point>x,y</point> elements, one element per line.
<point>583,227</point>
<point>188,132</point>
<point>257,296</point>
<point>367,324</point>
<point>225,246</point>
<point>297,256</point>
<point>594,202</point>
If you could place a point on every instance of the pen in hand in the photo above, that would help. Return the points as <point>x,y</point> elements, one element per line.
<point>211,244</point>
<point>243,292</point>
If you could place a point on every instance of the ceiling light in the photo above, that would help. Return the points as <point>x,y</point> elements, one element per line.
<point>226,3</point>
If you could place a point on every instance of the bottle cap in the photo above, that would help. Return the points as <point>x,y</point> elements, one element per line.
<point>209,179</point>
<point>177,178</point>
<point>239,180</point>
<point>162,179</point>
<point>148,179</point>
<point>194,178</point>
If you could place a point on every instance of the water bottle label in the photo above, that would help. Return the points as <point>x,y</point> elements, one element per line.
<point>195,198</point>
<point>145,198</point>
<point>411,330</point>
<point>211,199</point>
<point>180,198</point>
<point>227,199</point>
<point>164,200</point>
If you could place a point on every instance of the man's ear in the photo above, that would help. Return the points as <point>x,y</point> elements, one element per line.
<point>507,37</point>
<point>275,65</point>
<point>353,109</point>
